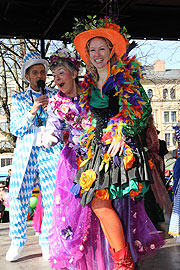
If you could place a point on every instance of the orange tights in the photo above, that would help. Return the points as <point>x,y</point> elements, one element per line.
<point>110,223</point>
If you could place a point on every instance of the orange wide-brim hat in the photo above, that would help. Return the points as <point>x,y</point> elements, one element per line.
<point>118,41</point>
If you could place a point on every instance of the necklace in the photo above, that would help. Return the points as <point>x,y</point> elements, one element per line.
<point>37,116</point>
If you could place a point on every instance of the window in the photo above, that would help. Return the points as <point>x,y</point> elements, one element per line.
<point>150,93</point>
<point>6,161</point>
<point>165,93</point>
<point>166,117</point>
<point>173,139</point>
<point>173,117</point>
<point>172,93</point>
<point>167,138</point>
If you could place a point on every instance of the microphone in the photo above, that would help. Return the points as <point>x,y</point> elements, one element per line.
<point>41,85</point>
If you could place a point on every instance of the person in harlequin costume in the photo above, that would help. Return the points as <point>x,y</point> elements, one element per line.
<point>71,223</point>
<point>174,225</point>
<point>114,164</point>
<point>28,118</point>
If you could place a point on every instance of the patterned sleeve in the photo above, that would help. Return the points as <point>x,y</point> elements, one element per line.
<point>20,121</point>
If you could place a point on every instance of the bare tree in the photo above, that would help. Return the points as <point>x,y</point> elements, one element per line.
<point>12,52</point>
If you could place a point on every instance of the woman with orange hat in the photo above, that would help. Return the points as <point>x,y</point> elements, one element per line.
<point>116,108</point>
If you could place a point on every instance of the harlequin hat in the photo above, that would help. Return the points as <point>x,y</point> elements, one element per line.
<point>64,55</point>
<point>117,40</point>
<point>30,59</point>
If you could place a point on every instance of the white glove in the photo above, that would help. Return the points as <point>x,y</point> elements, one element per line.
<point>48,139</point>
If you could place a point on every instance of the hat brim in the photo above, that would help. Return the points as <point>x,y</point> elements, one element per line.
<point>32,62</point>
<point>115,37</point>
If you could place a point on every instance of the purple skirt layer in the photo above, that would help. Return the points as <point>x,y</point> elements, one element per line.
<point>76,239</point>
<point>140,233</point>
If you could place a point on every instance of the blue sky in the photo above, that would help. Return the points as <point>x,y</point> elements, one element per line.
<point>149,50</point>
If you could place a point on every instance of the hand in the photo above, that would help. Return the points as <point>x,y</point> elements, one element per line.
<point>116,146</point>
<point>40,101</point>
<point>48,139</point>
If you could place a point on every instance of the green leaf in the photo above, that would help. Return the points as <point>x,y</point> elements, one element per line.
<point>83,163</point>
<point>101,166</point>
<point>106,167</point>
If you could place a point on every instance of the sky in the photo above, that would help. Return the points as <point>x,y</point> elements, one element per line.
<point>149,50</point>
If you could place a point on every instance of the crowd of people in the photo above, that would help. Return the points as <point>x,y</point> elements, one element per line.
<point>95,151</point>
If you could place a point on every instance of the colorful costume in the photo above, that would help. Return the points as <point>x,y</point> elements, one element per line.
<point>174,226</point>
<point>29,160</point>
<point>117,178</point>
<point>113,116</point>
<point>70,222</point>
<point>119,109</point>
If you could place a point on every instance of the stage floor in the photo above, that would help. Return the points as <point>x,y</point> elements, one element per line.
<point>166,258</point>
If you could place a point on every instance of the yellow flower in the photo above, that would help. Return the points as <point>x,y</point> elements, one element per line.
<point>106,157</point>
<point>87,179</point>
<point>102,194</point>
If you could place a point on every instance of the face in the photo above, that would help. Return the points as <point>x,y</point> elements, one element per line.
<point>65,80</point>
<point>99,53</point>
<point>36,73</point>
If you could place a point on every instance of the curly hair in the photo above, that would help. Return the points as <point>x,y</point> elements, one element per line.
<point>91,68</point>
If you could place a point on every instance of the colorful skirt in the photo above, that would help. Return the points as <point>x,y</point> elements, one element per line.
<point>114,182</point>
<point>76,239</point>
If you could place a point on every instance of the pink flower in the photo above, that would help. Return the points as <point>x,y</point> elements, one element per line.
<point>85,123</point>
<point>64,108</point>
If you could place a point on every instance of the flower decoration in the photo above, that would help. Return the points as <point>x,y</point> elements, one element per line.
<point>133,194</point>
<point>67,233</point>
<point>102,194</point>
<point>128,158</point>
<point>65,55</point>
<point>87,179</point>
<point>91,22</point>
<point>65,110</point>
<point>151,163</point>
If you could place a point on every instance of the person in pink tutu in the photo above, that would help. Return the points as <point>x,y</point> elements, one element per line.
<point>72,225</point>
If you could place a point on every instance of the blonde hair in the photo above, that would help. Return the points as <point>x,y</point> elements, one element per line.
<point>90,67</point>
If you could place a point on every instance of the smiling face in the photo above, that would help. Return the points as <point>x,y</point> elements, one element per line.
<point>99,53</point>
<point>65,80</point>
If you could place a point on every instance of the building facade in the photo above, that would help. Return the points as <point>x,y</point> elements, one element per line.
<point>163,88</point>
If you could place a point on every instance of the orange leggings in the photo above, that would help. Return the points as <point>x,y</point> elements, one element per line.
<point>110,223</point>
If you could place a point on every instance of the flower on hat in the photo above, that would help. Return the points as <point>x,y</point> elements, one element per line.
<point>91,22</point>
<point>65,55</point>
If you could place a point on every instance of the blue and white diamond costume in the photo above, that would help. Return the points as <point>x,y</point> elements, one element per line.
<point>30,161</point>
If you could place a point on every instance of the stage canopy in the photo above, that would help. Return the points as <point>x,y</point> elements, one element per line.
<point>49,19</point>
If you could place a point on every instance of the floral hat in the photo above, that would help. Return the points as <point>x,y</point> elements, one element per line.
<point>64,55</point>
<point>86,29</point>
